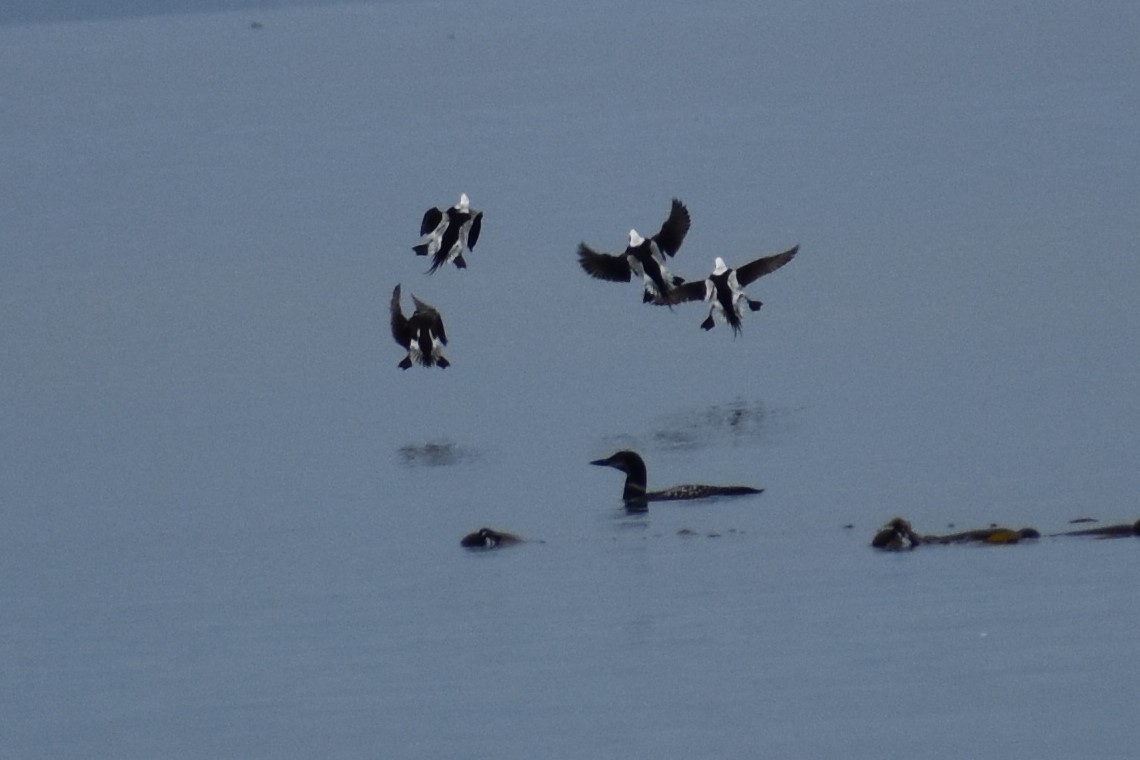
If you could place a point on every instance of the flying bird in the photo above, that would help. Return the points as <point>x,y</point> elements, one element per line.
<point>642,257</point>
<point>421,334</point>
<point>445,234</point>
<point>724,288</point>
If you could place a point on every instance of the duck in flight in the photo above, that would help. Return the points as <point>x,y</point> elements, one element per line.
<point>724,289</point>
<point>642,257</point>
<point>446,233</point>
<point>636,496</point>
<point>422,334</point>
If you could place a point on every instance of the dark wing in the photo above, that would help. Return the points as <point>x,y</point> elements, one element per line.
<point>423,308</point>
<point>473,233</point>
<point>447,241</point>
<point>673,232</point>
<point>604,266</point>
<point>689,291</point>
<point>400,329</point>
<point>754,270</point>
<point>432,218</point>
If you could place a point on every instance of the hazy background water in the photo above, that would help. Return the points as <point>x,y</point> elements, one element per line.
<point>231,523</point>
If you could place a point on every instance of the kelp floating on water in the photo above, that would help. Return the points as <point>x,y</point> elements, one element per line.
<point>899,535</point>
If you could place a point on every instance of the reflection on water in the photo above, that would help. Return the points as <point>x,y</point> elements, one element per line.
<point>736,423</point>
<point>436,454</point>
<point>690,533</point>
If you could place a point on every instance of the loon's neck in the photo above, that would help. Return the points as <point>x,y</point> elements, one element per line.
<point>635,482</point>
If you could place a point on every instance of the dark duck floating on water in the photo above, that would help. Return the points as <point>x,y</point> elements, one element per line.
<point>642,257</point>
<point>486,538</point>
<point>421,334</point>
<point>636,495</point>
<point>896,535</point>
<point>445,234</point>
<point>724,289</point>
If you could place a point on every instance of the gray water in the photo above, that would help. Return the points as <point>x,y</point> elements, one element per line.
<point>231,523</point>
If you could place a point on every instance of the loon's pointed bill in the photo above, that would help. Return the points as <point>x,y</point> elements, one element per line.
<point>422,334</point>
<point>724,288</point>
<point>636,496</point>
<point>446,234</point>
<point>642,257</point>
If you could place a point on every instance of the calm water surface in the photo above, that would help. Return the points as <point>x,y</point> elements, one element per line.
<point>232,524</point>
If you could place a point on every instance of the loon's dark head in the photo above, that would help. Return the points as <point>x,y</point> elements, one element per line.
<point>625,460</point>
<point>631,463</point>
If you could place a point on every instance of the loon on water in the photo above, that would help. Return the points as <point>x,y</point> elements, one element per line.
<point>645,258</point>
<point>631,463</point>
<point>486,538</point>
<point>446,233</point>
<point>724,288</point>
<point>421,334</point>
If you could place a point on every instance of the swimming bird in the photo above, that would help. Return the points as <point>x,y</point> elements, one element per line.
<point>486,538</point>
<point>643,257</point>
<point>635,494</point>
<point>724,288</point>
<point>421,334</point>
<point>897,535</point>
<point>446,233</point>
